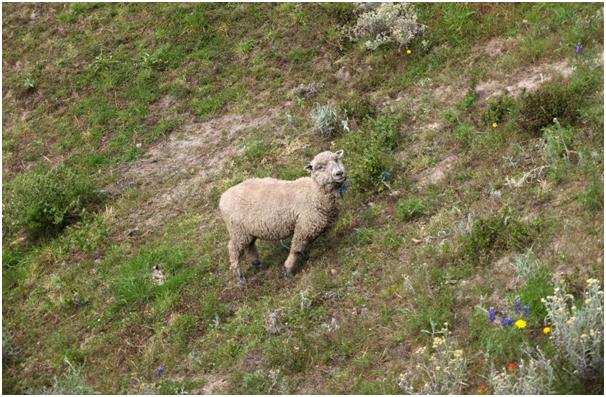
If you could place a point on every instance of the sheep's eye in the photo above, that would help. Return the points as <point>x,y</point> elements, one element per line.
<point>319,167</point>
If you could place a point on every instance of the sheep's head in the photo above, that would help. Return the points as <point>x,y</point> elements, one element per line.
<point>327,169</point>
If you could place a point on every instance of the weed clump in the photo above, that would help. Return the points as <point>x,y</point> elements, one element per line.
<point>386,23</point>
<point>45,202</point>
<point>499,109</point>
<point>412,208</point>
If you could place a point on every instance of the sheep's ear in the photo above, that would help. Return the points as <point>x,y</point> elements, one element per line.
<point>309,167</point>
<point>339,153</point>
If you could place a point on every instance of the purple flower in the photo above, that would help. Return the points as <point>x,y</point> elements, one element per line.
<point>517,305</point>
<point>492,314</point>
<point>506,321</point>
<point>160,371</point>
<point>526,310</point>
<point>580,49</point>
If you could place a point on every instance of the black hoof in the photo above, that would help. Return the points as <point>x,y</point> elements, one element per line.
<point>241,280</point>
<point>257,265</point>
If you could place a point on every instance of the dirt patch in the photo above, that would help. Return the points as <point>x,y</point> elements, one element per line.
<point>525,80</point>
<point>437,173</point>
<point>216,385</point>
<point>497,46</point>
<point>179,168</point>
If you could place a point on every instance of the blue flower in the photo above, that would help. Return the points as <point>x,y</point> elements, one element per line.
<point>526,310</point>
<point>506,321</point>
<point>517,305</point>
<point>160,371</point>
<point>580,49</point>
<point>492,314</point>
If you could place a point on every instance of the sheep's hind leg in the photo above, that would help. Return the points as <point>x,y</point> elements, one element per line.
<point>236,249</point>
<point>253,255</point>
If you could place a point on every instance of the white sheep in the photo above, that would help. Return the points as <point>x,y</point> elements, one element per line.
<point>273,209</point>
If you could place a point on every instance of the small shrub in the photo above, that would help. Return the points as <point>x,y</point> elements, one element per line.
<point>326,120</point>
<point>494,234</point>
<point>552,100</point>
<point>526,265</point>
<point>578,332</point>
<point>371,151</point>
<point>532,376</point>
<point>412,208</point>
<point>558,141</point>
<point>441,370</point>
<point>386,23</point>
<point>359,109</point>
<point>44,202</point>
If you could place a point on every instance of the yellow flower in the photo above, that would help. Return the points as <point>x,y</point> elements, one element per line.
<point>547,330</point>
<point>409,52</point>
<point>494,125</point>
<point>521,324</point>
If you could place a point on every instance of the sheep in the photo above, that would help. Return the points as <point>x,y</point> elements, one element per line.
<point>273,209</point>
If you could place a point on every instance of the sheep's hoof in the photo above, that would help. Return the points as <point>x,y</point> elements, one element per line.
<point>257,265</point>
<point>288,273</point>
<point>241,280</point>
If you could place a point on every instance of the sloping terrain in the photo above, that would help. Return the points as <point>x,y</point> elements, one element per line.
<point>465,194</point>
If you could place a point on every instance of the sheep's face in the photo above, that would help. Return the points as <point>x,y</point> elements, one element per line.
<point>327,169</point>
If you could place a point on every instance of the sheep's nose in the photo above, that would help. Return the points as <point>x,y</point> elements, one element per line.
<point>339,173</point>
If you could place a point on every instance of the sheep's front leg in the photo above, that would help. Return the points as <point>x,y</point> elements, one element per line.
<point>297,250</point>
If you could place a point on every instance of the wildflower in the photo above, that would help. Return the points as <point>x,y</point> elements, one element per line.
<point>526,310</point>
<point>458,353</point>
<point>492,314</point>
<point>591,281</point>
<point>521,324</point>
<point>547,330</point>
<point>512,366</point>
<point>160,371</point>
<point>506,321</point>
<point>580,49</point>
<point>517,305</point>
<point>421,350</point>
<point>438,341</point>
<point>483,389</point>
<point>409,51</point>
<point>494,124</point>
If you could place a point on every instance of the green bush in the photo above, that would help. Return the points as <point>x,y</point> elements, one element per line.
<point>45,202</point>
<point>553,100</point>
<point>370,151</point>
<point>359,109</point>
<point>494,234</point>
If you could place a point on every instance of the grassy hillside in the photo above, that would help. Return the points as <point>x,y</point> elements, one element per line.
<point>123,124</point>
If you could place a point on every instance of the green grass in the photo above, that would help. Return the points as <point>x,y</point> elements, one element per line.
<point>88,217</point>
